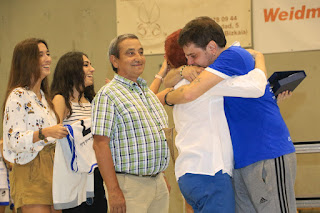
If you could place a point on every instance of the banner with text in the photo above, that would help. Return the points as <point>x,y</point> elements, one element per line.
<point>153,20</point>
<point>286,25</point>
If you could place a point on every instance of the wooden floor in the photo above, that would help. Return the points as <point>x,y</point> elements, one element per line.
<point>308,210</point>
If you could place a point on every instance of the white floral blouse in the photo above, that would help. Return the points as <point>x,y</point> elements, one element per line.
<point>25,113</point>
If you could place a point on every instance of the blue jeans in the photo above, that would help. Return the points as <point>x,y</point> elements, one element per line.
<point>207,193</point>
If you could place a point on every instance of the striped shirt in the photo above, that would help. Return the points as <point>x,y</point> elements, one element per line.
<point>79,111</point>
<point>131,115</point>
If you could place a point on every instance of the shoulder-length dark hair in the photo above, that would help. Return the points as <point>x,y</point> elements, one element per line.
<point>25,68</point>
<point>201,31</point>
<point>68,75</point>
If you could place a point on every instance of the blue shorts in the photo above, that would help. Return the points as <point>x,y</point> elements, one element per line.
<point>207,193</point>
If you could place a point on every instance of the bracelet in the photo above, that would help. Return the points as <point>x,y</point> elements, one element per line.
<point>165,99</point>
<point>158,77</point>
<point>182,70</point>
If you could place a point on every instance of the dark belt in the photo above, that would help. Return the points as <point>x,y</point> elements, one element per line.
<point>124,173</point>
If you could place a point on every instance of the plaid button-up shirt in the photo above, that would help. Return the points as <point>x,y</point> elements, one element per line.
<point>131,115</point>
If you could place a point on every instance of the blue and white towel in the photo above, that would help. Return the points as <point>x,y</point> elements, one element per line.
<point>74,162</point>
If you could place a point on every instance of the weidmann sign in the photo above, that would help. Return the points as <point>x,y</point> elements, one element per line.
<point>286,25</point>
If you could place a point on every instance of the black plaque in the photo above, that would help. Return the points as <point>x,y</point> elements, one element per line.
<point>286,80</point>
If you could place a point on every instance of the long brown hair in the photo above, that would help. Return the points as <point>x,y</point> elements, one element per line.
<point>25,68</point>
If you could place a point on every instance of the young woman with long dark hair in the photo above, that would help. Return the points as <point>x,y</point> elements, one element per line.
<point>72,91</point>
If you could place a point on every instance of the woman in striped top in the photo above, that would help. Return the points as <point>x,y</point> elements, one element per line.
<point>72,91</point>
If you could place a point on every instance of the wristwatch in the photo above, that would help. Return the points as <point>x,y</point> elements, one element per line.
<point>41,136</point>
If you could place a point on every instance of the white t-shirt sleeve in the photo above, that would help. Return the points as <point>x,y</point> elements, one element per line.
<point>251,85</point>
